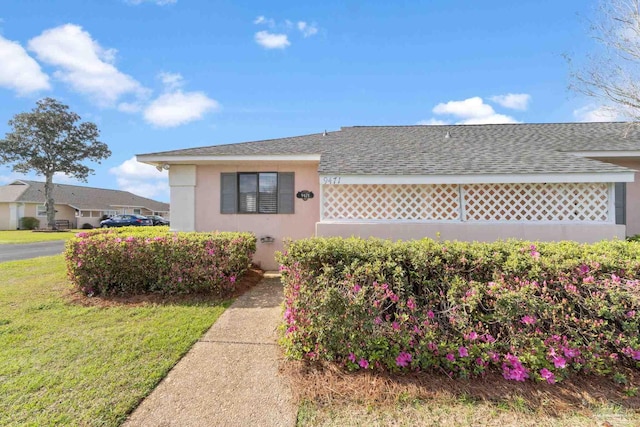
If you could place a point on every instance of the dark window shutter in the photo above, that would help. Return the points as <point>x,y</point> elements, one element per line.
<point>621,202</point>
<point>286,192</point>
<point>228,193</point>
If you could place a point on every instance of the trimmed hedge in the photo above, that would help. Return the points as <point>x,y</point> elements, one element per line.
<point>542,311</point>
<point>29,223</point>
<point>138,260</point>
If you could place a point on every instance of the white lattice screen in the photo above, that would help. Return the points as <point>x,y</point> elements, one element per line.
<point>584,202</point>
<point>564,202</point>
<point>391,202</point>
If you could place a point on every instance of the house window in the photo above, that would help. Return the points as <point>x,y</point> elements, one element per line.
<point>257,192</point>
<point>41,210</point>
<point>137,211</point>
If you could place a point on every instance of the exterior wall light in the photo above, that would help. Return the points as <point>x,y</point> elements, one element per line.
<point>305,195</point>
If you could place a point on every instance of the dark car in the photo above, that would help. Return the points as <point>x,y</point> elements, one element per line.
<point>158,220</point>
<point>125,220</point>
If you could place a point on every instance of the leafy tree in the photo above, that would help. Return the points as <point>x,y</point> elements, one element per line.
<point>612,72</point>
<point>50,139</point>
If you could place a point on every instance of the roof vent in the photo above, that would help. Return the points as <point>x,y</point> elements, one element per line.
<point>447,135</point>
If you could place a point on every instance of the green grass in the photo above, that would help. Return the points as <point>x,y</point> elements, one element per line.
<point>64,364</point>
<point>27,236</point>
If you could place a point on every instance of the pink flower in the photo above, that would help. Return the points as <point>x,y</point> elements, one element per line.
<point>403,359</point>
<point>432,346</point>
<point>472,336</point>
<point>528,320</point>
<point>559,362</point>
<point>430,314</point>
<point>450,357</point>
<point>631,313</point>
<point>352,357</point>
<point>411,303</point>
<point>570,352</point>
<point>462,351</point>
<point>488,338</point>
<point>356,288</point>
<point>548,375</point>
<point>364,363</point>
<point>232,279</point>
<point>395,326</point>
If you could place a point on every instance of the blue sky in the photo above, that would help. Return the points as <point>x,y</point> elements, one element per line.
<point>159,75</point>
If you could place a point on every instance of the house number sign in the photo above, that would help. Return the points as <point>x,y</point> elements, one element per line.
<point>331,180</point>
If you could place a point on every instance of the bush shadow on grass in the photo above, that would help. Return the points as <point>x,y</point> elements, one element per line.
<point>581,394</point>
<point>248,280</point>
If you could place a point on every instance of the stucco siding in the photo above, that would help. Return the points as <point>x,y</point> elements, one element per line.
<point>486,232</point>
<point>633,195</point>
<point>300,224</point>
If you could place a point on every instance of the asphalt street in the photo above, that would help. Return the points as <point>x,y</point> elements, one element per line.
<point>30,250</point>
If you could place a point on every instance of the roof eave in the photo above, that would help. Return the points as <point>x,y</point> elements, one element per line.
<point>159,160</point>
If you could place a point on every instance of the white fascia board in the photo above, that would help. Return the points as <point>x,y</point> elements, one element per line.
<point>607,154</point>
<point>477,179</point>
<point>159,159</point>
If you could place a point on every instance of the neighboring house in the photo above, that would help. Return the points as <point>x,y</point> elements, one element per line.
<point>569,181</point>
<point>76,204</point>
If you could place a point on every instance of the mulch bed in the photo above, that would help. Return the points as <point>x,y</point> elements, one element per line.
<point>329,383</point>
<point>248,280</point>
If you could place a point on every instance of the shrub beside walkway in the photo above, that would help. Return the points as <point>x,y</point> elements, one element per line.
<point>230,377</point>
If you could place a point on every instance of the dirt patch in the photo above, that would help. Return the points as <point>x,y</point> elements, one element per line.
<point>248,280</point>
<point>329,383</point>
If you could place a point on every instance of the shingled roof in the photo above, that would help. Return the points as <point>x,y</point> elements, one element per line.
<point>442,150</point>
<point>78,197</point>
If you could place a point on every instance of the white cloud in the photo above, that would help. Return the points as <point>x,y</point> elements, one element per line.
<point>471,111</point>
<point>19,71</point>
<point>158,2</point>
<point>592,113</point>
<point>141,179</point>
<point>261,20</point>
<point>171,81</point>
<point>514,101</point>
<point>432,122</point>
<point>84,65</point>
<point>178,108</point>
<point>272,41</point>
<point>307,30</point>
<point>468,108</point>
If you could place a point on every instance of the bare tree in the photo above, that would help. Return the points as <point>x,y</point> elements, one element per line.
<point>48,140</point>
<point>612,72</point>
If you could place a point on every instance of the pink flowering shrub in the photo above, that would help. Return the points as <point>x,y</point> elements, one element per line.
<point>540,311</point>
<point>137,260</point>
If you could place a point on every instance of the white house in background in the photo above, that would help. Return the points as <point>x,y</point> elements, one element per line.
<point>560,181</point>
<point>76,204</point>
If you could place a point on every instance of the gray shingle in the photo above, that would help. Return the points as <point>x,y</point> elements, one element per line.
<point>78,196</point>
<point>470,149</point>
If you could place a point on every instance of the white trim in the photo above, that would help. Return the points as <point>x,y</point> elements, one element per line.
<point>159,159</point>
<point>477,179</point>
<point>612,203</point>
<point>630,153</point>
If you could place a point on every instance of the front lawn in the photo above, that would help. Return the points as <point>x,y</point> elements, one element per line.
<point>28,236</point>
<point>62,363</point>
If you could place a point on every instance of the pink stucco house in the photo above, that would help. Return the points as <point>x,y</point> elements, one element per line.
<point>566,181</point>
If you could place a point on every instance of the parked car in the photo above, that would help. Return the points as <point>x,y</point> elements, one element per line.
<point>125,220</point>
<point>158,220</point>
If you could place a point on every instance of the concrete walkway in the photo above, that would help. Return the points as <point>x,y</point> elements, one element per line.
<point>230,377</point>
